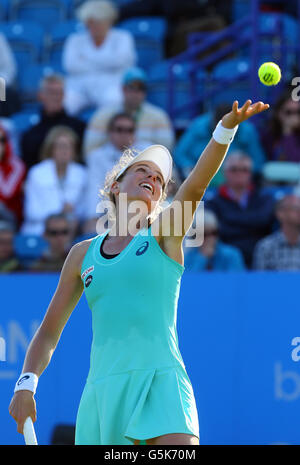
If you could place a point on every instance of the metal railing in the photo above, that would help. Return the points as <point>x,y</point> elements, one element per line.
<point>232,40</point>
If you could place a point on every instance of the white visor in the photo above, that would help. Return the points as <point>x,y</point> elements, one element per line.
<point>159,155</point>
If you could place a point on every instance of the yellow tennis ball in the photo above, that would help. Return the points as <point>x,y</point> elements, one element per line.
<point>269,74</point>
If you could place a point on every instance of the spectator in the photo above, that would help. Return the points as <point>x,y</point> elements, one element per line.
<point>121,135</point>
<point>212,255</point>
<point>51,95</point>
<point>280,251</point>
<point>8,260</point>
<point>153,123</point>
<point>56,184</point>
<point>196,137</point>
<point>12,175</point>
<point>96,59</point>
<point>281,137</point>
<point>245,213</point>
<point>8,72</point>
<point>58,234</point>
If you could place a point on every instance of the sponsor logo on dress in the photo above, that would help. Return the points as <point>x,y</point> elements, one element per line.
<point>143,248</point>
<point>87,271</point>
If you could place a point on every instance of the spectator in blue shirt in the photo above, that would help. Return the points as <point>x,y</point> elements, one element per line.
<point>212,255</point>
<point>196,137</point>
<point>245,213</point>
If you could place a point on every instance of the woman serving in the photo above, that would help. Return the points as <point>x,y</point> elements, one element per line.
<point>137,390</point>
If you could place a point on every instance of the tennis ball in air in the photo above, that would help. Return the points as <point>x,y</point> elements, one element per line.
<point>269,74</point>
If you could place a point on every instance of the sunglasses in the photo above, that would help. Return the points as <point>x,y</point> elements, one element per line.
<point>57,232</point>
<point>123,130</point>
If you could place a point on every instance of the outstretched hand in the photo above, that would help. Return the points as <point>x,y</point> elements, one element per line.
<point>238,115</point>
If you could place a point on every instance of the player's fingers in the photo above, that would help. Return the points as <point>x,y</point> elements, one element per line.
<point>235,106</point>
<point>246,105</point>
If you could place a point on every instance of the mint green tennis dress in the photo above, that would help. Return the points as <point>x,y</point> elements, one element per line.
<point>137,386</point>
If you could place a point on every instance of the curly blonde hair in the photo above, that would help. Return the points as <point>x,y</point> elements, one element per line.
<point>106,194</point>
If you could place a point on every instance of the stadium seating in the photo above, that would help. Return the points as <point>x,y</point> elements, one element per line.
<point>30,78</point>
<point>149,34</point>
<point>158,85</point>
<point>4,9</point>
<point>45,12</point>
<point>29,247</point>
<point>56,39</point>
<point>24,120</point>
<point>26,39</point>
<point>226,71</point>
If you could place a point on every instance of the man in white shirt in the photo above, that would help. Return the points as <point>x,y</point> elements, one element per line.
<point>153,123</point>
<point>96,58</point>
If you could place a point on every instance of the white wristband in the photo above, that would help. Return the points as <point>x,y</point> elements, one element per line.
<point>27,382</point>
<point>224,135</point>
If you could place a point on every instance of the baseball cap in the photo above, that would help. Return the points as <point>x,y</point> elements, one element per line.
<point>159,155</point>
<point>134,74</point>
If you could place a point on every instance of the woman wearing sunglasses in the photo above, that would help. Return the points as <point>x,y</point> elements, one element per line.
<point>137,390</point>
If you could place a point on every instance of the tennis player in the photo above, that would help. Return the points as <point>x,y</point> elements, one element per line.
<point>137,390</point>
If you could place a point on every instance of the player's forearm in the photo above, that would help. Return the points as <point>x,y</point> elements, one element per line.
<point>208,165</point>
<point>39,353</point>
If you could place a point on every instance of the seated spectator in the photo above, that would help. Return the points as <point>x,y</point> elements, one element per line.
<point>58,234</point>
<point>281,136</point>
<point>9,98</point>
<point>8,260</point>
<point>55,185</point>
<point>245,213</point>
<point>12,175</point>
<point>50,95</point>
<point>280,251</point>
<point>95,59</point>
<point>196,137</point>
<point>212,255</point>
<point>152,123</point>
<point>121,135</point>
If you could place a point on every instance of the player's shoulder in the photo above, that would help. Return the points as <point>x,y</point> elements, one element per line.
<point>77,253</point>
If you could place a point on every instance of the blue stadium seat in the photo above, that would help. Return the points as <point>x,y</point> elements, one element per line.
<point>55,42</point>
<point>4,9</point>
<point>29,247</point>
<point>158,85</point>
<point>24,120</point>
<point>44,12</point>
<point>26,39</point>
<point>149,34</point>
<point>228,92</point>
<point>30,78</point>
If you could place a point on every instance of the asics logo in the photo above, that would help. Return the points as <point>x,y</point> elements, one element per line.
<point>143,248</point>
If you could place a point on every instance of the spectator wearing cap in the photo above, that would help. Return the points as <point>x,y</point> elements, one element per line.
<point>96,59</point>
<point>8,260</point>
<point>55,185</point>
<point>212,254</point>
<point>121,135</point>
<point>245,213</point>
<point>152,123</point>
<point>58,234</point>
<point>280,251</point>
<point>12,176</point>
<point>196,137</point>
<point>53,113</point>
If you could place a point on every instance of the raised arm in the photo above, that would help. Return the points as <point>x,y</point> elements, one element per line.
<point>211,159</point>
<point>44,342</point>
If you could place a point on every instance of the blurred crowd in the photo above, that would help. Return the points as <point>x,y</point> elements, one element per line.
<point>50,174</point>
